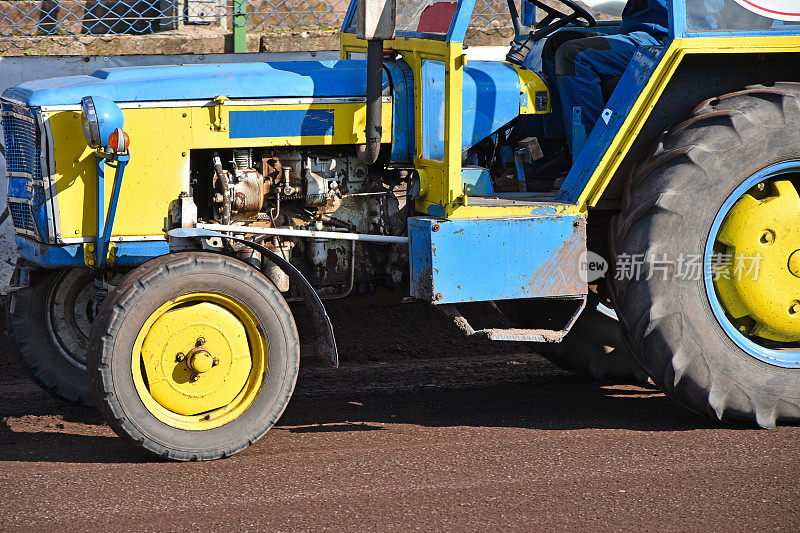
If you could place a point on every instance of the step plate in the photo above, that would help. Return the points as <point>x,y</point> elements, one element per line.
<point>470,260</point>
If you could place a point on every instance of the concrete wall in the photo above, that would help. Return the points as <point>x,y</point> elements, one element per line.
<point>16,70</point>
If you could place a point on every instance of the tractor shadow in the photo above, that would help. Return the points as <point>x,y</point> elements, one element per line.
<point>521,391</point>
<point>413,368</point>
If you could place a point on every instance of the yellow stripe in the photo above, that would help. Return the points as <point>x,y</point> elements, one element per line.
<point>654,89</point>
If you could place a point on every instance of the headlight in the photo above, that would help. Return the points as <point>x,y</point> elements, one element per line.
<point>101,117</point>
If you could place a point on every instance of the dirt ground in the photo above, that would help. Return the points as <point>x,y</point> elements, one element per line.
<point>419,429</point>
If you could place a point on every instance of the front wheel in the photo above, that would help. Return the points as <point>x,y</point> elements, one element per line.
<point>193,356</point>
<point>707,253</point>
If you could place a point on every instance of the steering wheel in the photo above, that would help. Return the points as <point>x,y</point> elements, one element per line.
<point>553,20</point>
<point>556,19</point>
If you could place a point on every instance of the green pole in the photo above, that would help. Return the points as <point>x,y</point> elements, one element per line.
<point>239,26</point>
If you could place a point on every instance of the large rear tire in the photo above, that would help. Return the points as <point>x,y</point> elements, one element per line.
<point>49,323</point>
<point>193,356</point>
<point>694,339</point>
<point>594,347</point>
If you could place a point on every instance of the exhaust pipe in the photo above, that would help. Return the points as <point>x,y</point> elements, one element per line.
<point>368,153</point>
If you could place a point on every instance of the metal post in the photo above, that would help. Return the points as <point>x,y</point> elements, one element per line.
<point>105,224</point>
<point>101,203</point>
<point>239,26</point>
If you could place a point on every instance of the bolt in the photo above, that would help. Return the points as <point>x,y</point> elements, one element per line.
<point>438,296</point>
<point>183,154</point>
<point>215,361</point>
<point>768,237</point>
<point>760,186</point>
<point>184,115</point>
<point>794,307</point>
<point>194,377</point>
<point>200,341</point>
<point>576,224</point>
<point>435,227</point>
<point>180,357</point>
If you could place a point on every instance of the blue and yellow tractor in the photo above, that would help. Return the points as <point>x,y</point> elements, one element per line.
<point>167,216</point>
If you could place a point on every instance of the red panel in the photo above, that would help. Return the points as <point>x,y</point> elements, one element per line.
<point>437,17</point>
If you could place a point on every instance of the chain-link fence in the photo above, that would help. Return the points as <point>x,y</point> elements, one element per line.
<point>25,22</point>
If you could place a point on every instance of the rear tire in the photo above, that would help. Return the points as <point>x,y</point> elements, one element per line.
<point>49,323</point>
<point>670,210</point>
<point>157,400</point>
<point>594,348</point>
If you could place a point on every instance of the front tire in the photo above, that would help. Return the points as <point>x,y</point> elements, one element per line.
<point>193,356</point>
<point>732,151</point>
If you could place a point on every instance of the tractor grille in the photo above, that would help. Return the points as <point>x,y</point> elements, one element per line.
<point>21,215</point>
<point>26,197</point>
<point>23,147</point>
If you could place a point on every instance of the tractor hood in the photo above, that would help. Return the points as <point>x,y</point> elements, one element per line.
<point>303,79</point>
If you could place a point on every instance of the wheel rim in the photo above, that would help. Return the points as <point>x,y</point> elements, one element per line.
<point>70,311</point>
<point>752,265</point>
<point>199,361</point>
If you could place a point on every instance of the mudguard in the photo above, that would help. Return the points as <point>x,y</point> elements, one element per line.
<point>326,343</point>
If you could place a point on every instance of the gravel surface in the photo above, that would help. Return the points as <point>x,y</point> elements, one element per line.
<point>419,429</point>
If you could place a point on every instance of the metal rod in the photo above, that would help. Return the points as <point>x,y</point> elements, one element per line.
<point>101,204</point>
<point>303,233</point>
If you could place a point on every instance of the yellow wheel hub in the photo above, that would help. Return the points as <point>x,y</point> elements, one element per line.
<point>760,286</point>
<point>199,361</point>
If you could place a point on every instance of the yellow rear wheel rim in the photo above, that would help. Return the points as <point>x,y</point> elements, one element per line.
<point>199,360</point>
<point>762,226</point>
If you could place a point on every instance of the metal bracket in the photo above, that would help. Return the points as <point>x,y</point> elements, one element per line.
<point>578,133</point>
<point>218,125</point>
<point>326,344</point>
<point>511,334</point>
<point>105,222</point>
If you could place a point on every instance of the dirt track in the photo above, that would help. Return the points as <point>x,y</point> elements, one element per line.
<point>419,429</point>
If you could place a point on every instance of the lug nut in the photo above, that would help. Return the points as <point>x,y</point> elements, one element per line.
<point>200,341</point>
<point>794,308</point>
<point>768,237</point>
<point>215,361</point>
<point>180,357</point>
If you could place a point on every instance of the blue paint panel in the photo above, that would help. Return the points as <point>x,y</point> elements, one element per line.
<point>136,253</point>
<point>630,86</point>
<point>18,188</point>
<point>71,255</point>
<point>319,79</point>
<point>460,23</point>
<point>490,100</point>
<point>464,260</point>
<point>48,256</point>
<point>401,78</point>
<point>477,181</point>
<point>280,123</point>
